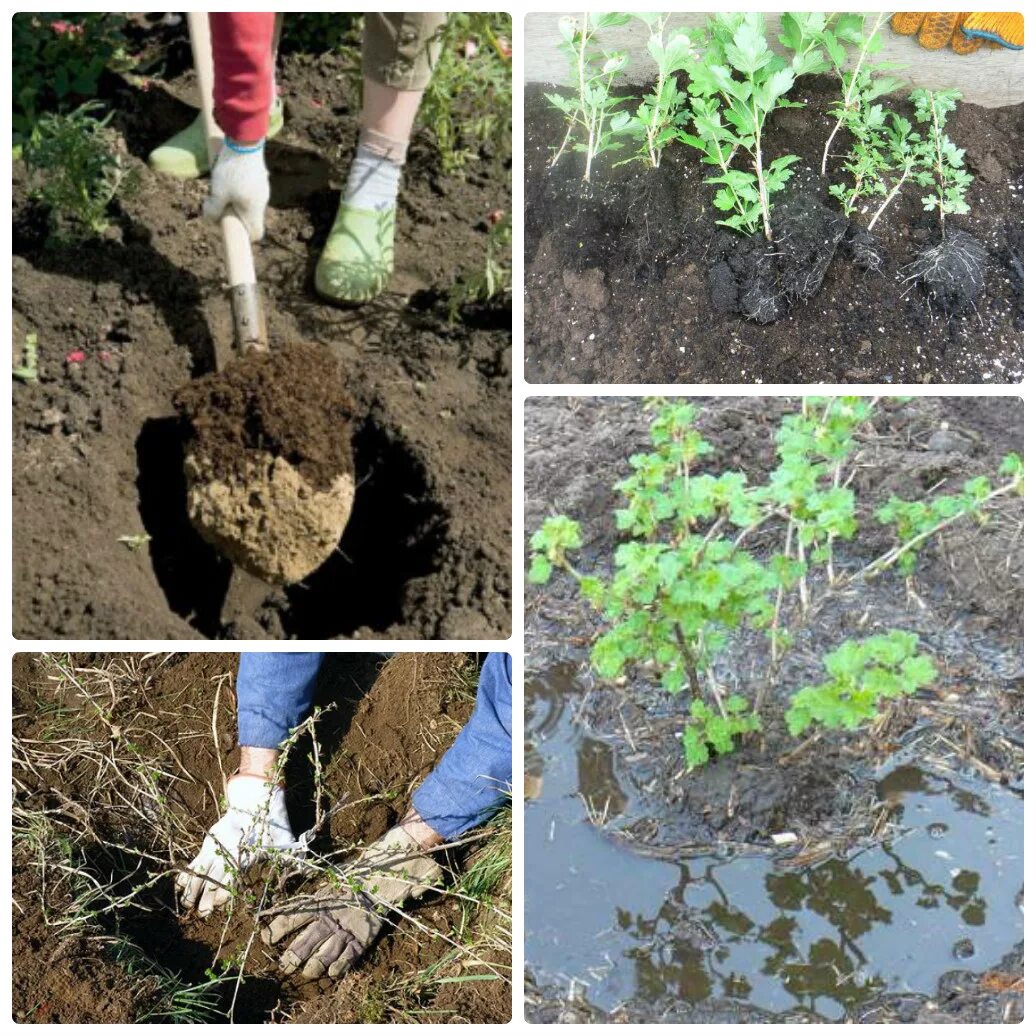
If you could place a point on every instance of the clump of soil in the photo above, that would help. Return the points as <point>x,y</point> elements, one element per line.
<point>630,280</point>
<point>270,475</point>
<point>952,273</point>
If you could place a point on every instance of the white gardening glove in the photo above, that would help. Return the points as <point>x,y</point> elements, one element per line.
<point>256,820</point>
<point>240,181</point>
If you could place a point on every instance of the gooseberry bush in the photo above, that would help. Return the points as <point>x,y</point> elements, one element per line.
<point>707,555</point>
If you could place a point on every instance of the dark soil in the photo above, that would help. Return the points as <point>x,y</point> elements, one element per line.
<point>98,451</point>
<point>384,727</point>
<point>289,403</point>
<point>965,600</point>
<point>629,280</point>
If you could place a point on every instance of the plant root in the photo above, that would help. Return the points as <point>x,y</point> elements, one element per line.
<point>864,251</point>
<point>951,274</point>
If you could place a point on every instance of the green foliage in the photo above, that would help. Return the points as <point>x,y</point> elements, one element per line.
<point>29,369</point>
<point>738,83</point>
<point>467,104</point>
<point>863,674</point>
<point>317,32</point>
<point>75,170</point>
<point>493,278</point>
<point>58,61</point>
<point>940,163</point>
<point>657,121</point>
<point>707,554</point>
<point>915,520</point>
<point>711,733</point>
<point>592,109</point>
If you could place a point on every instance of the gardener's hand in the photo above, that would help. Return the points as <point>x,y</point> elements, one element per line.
<point>256,820</point>
<point>240,181</point>
<point>343,917</point>
<point>965,32</point>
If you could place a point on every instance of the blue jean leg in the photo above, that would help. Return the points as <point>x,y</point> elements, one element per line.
<point>274,692</point>
<point>473,777</point>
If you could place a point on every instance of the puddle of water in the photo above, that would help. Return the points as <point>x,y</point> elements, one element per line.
<point>615,926</point>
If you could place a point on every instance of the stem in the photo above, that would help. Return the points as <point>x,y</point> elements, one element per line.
<point>938,157</point>
<point>890,557</point>
<point>764,199</point>
<point>564,143</point>
<point>848,95</point>
<point>895,190</point>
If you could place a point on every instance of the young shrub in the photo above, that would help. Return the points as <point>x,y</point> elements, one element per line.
<point>738,83</point>
<point>861,88</point>
<point>952,272</point>
<point>706,555</point>
<point>862,674</point>
<point>76,170</point>
<point>658,120</point>
<point>590,112</point>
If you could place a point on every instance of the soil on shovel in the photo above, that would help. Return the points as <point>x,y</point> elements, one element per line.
<point>105,547</point>
<point>383,727</point>
<point>899,896</point>
<point>629,280</point>
<point>269,465</point>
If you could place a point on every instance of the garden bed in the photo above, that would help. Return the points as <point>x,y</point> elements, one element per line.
<point>104,546</point>
<point>710,893</point>
<point>98,935</point>
<point>628,278</point>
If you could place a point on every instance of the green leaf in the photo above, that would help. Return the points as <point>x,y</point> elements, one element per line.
<point>540,570</point>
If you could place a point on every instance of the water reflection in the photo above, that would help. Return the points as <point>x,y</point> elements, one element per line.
<point>827,937</point>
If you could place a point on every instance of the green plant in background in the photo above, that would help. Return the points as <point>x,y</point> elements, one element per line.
<point>869,158</point>
<point>29,369</point>
<point>467,104</point>
<point>589,113</point>
<point>493,278</point>
<point>708,554</point>
<point>57,61</point>
<point>657,121</point>
<point>860,88</point>
<point>76,171</point>
<point>940,163</point>
<point>317,32</point>
<point>862,674</point>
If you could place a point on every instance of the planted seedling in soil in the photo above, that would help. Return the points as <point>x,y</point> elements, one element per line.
<point>658,120</point>
<point>952,272</point>
<point>707,555</point>
<point>590,112</point>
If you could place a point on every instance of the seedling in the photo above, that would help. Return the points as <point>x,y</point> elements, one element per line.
<point>750,81</point>
<point>860,89</point>
<point>77,171</point>
<point>590,111</point>
<point>658,120</point>
<point>705,555</point>
<point>29,370</point>
<point>940,162</point>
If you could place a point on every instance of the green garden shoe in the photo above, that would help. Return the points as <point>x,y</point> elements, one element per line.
<point>185,155</point>
<point>356,263</point>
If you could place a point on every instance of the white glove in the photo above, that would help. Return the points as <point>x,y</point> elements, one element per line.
<point>256,820</point>
<point>240,181</point>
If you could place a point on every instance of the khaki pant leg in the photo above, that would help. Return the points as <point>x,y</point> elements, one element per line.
<point>400,50</point>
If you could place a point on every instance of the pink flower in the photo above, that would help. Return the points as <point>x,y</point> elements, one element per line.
<point>495,216</point>
<point>63,28</point>
<point>75,356</point>
<point>470,49</point>
<point>505,46</point>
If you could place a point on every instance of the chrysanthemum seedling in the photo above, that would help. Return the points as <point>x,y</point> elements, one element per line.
<point>657,121</point>
<point>590,111</point>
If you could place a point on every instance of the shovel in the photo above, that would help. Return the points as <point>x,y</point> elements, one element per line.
<point>264,516</point>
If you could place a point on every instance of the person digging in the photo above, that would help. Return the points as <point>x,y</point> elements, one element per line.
<point>337,924</point>
<point>399,53</point>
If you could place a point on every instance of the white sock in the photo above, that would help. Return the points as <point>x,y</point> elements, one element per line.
<point>373,181</point>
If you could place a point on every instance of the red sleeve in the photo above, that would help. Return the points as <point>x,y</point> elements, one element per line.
<point>243,66</point>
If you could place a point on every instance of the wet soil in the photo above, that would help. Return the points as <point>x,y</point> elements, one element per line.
<point>125,320</point>
<point>622,740</point>
<point>629,280</point>
<point>383,727</point>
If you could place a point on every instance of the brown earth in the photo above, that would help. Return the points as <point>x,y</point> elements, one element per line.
<point>98,453</point>
<point>382,728</point>
<point>623,278</point>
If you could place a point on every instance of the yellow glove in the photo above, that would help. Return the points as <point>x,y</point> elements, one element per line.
<point>965,32</point>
